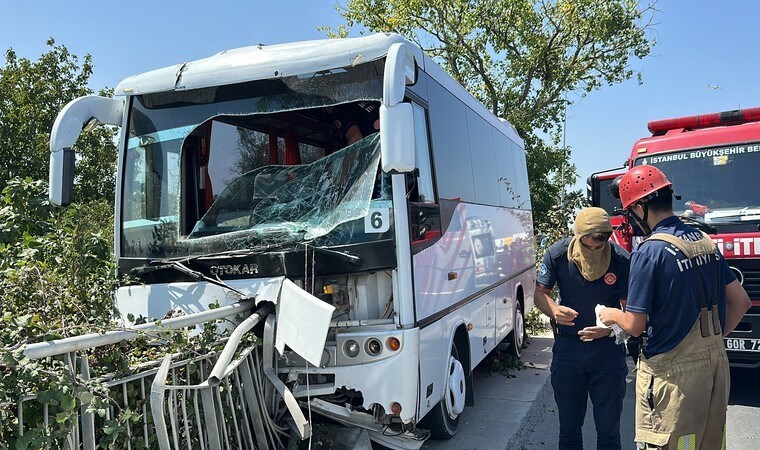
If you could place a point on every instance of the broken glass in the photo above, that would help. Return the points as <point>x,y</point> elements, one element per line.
<point>296,203</point>
<point>248,204</point>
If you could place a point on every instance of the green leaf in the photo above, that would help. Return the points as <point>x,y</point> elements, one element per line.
<point>22,443</point>
<point>68,402</point>
<point>45,397</point>
<point>85,397</point>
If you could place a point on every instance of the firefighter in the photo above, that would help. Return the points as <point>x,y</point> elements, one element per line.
<point>586,362</point>
<point>682,291</point>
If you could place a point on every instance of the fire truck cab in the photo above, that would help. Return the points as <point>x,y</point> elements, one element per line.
<point>711,160</point>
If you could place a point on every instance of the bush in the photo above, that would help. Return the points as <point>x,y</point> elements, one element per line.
<point>535,322</point>
<point>57,279</point>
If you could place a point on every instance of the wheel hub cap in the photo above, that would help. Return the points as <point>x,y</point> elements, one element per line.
<point>456,388</point>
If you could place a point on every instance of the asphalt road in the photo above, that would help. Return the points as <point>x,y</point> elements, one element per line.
<point>743,432</point>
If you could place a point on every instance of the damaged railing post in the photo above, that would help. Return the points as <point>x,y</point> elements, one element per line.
<point>157,391</point>
<point>213,407</point>
<point>303,427</point>
<point>222,363</point>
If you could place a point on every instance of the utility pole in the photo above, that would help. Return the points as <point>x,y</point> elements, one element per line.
<point>562,165</point>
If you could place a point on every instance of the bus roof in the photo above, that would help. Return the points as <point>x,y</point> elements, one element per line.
<point>264,61</point>
<point>260,62</point>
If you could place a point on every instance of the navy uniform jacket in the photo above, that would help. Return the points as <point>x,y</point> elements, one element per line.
<point>663,285</point>
<point>578,293</point>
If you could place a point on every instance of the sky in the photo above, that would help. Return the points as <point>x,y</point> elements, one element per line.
<point>706,57</point>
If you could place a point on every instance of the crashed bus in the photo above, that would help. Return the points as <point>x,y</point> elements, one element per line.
<point>378,271</point>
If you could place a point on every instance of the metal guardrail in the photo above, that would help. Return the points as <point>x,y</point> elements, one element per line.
<point>133,391</point>
<point>235,408</point>
<point>94,340</point>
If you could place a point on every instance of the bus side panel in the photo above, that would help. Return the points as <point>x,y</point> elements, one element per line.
<point>485,249</point>
<point>506,299</point>
<point>434,350</point>
<point>482,246</point>
<point>436,340</point>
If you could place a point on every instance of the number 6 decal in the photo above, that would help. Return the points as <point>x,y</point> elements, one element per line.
<point>377,221</point>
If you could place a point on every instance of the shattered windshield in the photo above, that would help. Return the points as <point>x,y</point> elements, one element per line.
<point>255,164</point>
<point>715,184</point>
<point>303,202</point>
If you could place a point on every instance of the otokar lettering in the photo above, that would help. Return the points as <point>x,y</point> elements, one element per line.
<point>234,269</point>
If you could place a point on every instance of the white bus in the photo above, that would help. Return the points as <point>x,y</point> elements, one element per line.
<point>397,258</point>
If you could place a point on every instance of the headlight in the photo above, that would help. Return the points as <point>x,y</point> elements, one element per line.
<point>351,348</point>
<point>373,347</point>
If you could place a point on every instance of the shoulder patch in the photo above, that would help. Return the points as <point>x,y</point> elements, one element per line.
<point>619,253</point>
<point>542,269</point>
<point>610,278</point>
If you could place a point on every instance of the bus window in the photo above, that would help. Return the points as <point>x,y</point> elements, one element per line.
<point>422,151</point>
<point>425,216</point>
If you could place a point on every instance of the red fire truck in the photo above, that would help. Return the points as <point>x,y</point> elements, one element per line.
<point>713,161</point>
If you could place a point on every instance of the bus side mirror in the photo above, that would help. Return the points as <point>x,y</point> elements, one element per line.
<point>61,181</point>
<point>74,118</point>
<point>397,138</point>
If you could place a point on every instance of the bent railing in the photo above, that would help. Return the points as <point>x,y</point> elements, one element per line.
<point>90,428</point>
<point>234,407</point>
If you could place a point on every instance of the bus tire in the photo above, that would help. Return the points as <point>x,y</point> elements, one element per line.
<point>517,337</point>
<point>443,419</point>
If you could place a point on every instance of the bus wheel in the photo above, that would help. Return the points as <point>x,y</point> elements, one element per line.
<point>517,337</point>
<point>443,419</point>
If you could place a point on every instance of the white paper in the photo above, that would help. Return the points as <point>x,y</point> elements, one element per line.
<point>620,335</point>
<point>302,323</point>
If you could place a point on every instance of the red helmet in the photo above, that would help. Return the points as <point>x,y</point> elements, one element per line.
<point>640,182</point>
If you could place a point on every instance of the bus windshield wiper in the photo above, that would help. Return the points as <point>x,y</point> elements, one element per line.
<point>179,267</point>
<point>228,253</point>
<point>350,257</point>
<point>179,263</point>
<point>698,224</point>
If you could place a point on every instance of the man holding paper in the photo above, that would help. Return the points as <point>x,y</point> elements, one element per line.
<point>588,270</point>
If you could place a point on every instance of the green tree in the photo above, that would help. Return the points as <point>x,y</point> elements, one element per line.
<point>31,95</point>
<point>520,58</point>
<point>57,274</point>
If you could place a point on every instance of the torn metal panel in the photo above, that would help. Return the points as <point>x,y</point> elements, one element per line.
<point>302,323</point>
<point>377,432</point>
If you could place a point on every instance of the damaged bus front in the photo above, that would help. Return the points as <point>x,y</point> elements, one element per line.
<point>287,174</point>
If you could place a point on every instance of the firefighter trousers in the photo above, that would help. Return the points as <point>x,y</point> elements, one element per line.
<point>682,395</point>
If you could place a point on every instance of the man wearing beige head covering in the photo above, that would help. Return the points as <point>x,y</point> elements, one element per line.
<point>588,270</point>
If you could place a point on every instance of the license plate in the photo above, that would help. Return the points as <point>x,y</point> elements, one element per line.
<point>746,345</point>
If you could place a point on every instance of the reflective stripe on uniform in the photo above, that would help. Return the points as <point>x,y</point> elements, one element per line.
<point>723,447</point>
<point>687,442</point>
